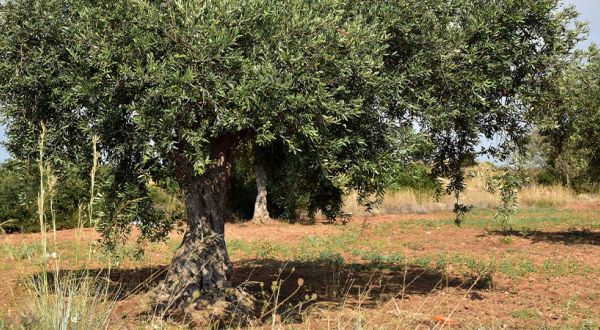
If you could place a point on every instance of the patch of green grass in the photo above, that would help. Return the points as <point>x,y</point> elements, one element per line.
<point>505,240</point>
<point>564,268</point>
<point>423,262</point>
<point>332,259</point>
<point>526,220</point>
<point>413,245</point>
<point>441,261</point>
<point>267,249</point>
<point>516,268</point>
<point>525,314</point>
<point>25,251</point>
<point>376,260</point>
<point>238,246</point>
<point>589,324</point>
<point>312,247</point>
<point>376,257</point>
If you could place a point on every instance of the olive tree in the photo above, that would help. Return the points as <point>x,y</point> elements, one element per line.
<point>173,88</point>
<point>569,121</point>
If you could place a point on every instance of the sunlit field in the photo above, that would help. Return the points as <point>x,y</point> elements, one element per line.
<point>387,271</point>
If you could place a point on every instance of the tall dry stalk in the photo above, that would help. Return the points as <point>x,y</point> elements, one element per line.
<point>64,299</point>
<point>41,194</point>
<point>95,158</point>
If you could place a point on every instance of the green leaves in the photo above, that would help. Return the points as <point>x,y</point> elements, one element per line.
<point>568,121</point>
<point>334,86</point>
<point>473,69</point>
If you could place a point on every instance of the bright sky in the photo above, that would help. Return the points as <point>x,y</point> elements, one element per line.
<point>589,10</point>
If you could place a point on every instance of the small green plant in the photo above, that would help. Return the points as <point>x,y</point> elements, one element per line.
<point>334,259</point>
<point>564,268</point>
<point>264,249</point>
<point>505,240</point>
<point>236,245</point>
<point>441,262</point>
<point>509,184</point>
<point>589,324</point>
<point>516,268</point>
<point>384,261</point>
<point>525,314</point>
<point>481,274</point>
<point>423,261</point>
<point>26,251</point>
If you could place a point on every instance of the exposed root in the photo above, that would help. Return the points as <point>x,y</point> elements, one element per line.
<point>231,308</point>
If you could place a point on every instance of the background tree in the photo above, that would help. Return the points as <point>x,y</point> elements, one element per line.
<point>174,88</point>
<point>19,195</point>
<point>471,69</point>
<point>569,125</point>
<point>261,213</point>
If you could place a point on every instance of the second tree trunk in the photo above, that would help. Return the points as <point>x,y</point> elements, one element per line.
<point>261,214</point>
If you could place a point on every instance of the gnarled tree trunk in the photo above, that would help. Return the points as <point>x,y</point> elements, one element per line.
<point>261,214</point>
<point>201,268</point>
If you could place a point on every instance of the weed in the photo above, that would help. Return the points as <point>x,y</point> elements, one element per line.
<point>589,324</point>
<point>516,268</point>
<point>525,314</point>
<point>481,275</point>
<point>441,261</point>
<point>71,302</point>
<point>380,261</point>
<point>263,249</point>
<point>238,245</point>
<point>26,251</point>
<point>505,240</point>
<point>333,259</point>
<point>413,246</point>
<point>57,301</point>
<point>423,261</point>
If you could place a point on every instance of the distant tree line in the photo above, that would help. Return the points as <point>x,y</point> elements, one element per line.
<point>19,189</point>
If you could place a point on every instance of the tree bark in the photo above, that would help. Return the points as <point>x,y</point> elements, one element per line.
<point>261,214</point>
<point>201,268</point>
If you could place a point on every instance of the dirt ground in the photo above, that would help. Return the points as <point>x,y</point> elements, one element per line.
<point>394,271</point>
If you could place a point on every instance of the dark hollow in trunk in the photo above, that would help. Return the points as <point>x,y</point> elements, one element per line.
<point>261,214</point>
<point>201,266</point>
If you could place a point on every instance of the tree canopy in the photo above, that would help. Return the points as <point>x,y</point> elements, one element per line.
<point>338,88</point>
<point>569,121</point>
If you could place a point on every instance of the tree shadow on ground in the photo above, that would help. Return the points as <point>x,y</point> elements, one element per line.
<point>323,283</point>
<point>120,284</point>
<point>568,237</point>
<point>335,283</point>
<point>330,282</point>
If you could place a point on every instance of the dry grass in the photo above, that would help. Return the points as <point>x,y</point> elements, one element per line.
<point>74,301</point>
<point>412,201</point>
